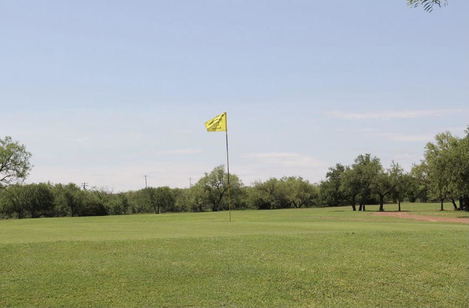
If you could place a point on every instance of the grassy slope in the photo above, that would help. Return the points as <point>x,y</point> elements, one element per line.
<point>306,257</point>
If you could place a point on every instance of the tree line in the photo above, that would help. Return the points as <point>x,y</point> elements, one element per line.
<point>208,194</point>
<point>442,175</point>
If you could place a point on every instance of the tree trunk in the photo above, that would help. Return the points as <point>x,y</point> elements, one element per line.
<point>399,205</point>
<point>454,204</point>
<point>360,208</point>
<point>364,208</point>
<point>465,204</point>
<point>441,209</point>
<point>461,204</point>
<point>381,203</point>
<point>353,204</point>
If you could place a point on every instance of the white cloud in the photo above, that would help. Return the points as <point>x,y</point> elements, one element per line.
<point>180,152</point>
<point>284,159</point>
<point>124,177</point>
<point>387,115</point>
<point>261,166</point>
<point>409,137</point>
<point>425,137</point>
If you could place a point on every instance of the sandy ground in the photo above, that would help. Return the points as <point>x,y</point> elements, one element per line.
<point>423,218</point>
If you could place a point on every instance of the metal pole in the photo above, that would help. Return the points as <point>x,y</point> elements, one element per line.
<point>228,168</point>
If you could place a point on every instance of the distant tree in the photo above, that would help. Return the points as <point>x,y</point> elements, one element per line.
<point>39,200</point>
<point>447,161</point>
<point>367,170</point>
<point>267,195</point>
<point>437,157</point>
<point>460,175</point>
<point>140,201</point>
<point>427,5</point>
<point>213,188</point>
<point>68,199</point>
<point>383,185</point>
<point>150,200</point>
<point>33,200</point>
<point>197,198</point>
<point>401,183</point>
<point>350,185</point>
<point>182,198</point>
<point>14,162</point>
<point>331,189</point>
<point>163,199</point>
<point>125,204</point>
<point>94,203</point>
<point>13,201</point>
<point>288,192</point>
<point>116,204</point>
<point>419,183</point>
<point>299,192</point>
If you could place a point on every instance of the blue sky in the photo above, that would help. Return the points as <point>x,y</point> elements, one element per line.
<point>105,92</point>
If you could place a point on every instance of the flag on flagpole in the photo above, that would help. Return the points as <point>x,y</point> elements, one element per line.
<point>217,124</point>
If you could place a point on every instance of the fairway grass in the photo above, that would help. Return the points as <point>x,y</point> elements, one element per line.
<point>298,257</point>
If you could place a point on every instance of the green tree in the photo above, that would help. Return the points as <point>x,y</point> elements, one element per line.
<point>267,195</point>
<point>382,185</point>
<point>439,167</point>
<point>447,166</point>
<point>33,200</point>
<point>213,189</point>
<point>401,182</point>
<point>14,162</point>
<point>350,185</point>
<point>447,161</point>
<point>163,199</point>
<point>39,200</point>
<point>299,192</point>
<point>197,198</point>
<point>460,175</point>
<point>125,205</point>
<point>331,190</point>
<point>140,201</point>
<point>182,201</point>
<point>68,199</point>
<point>419,184</point>
<point>288,192</point>
<point>12,201</point>
<point>390,182</point>
<point>366,170</point>
<point>94,203</point>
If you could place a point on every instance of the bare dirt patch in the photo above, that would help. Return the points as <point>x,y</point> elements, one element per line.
<point>423,218</point>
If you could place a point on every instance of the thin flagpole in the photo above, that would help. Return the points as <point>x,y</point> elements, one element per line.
<point>228,167</point>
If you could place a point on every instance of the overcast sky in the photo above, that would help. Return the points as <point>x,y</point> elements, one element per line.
<point>105,92</point>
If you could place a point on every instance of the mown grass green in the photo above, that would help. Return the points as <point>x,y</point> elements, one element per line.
<point>305,257</point>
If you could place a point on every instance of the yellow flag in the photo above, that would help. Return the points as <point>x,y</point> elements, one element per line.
<point>217,124</point>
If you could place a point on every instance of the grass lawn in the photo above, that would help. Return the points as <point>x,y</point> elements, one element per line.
<point>298,257</point>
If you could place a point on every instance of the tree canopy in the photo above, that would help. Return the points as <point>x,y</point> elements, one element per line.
<point>14,162</point>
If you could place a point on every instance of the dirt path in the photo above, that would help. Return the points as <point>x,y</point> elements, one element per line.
<point>423,218</point>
